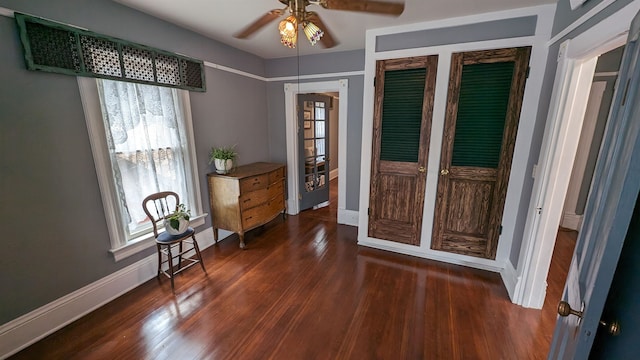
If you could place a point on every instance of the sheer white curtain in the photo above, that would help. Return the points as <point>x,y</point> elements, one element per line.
<point>147,143</point>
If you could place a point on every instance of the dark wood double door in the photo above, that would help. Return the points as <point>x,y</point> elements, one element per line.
<point>483,108</point>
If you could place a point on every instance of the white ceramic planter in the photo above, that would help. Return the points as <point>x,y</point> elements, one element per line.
<point>183,225</point>
<point>223,166</point>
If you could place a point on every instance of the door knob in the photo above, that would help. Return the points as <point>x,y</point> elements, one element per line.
<point>613,327</point>
<point>444,172</point>
<point>564,309</point>
<point>422,169</point>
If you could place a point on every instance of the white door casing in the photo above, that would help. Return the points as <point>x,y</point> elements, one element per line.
<point>291,92</point>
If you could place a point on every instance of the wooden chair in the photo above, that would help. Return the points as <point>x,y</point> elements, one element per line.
<point>157,207</point>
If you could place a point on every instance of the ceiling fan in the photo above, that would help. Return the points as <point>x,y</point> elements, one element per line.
<point>314,29</point>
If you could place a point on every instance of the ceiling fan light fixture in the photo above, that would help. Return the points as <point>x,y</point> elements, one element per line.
<point>300,13</point>
<point>313,32</point>
<point>288,26</point>
<point>288,29</point>
<point>289,42</point>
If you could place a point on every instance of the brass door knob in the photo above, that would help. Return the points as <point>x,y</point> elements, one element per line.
<point>564,309</point>
<point>422,169</point>
<point>613,327</point>
<point>444,172</point>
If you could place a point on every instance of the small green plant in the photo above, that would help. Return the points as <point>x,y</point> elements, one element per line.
<point>180,213</point>
<point>223,153</point>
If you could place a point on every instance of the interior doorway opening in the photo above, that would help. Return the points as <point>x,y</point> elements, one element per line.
<point>339,90</point>
<point>575,72</point>
<point>594,122</point>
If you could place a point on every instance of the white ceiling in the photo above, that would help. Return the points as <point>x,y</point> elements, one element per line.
<point>220,19</point>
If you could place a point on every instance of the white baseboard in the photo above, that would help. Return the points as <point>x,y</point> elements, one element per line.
<point>333,174</point>
<point>571,221</point>
<point>19,333</point>
<point>456,259</point>
<point>509,278</point>
<point>348,217</point>
<point>535,301</point>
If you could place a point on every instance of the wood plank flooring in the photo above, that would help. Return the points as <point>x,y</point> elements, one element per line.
<point>304,290</point>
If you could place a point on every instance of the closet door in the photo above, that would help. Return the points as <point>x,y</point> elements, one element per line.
<point>483,109</point>
<point>402,126</point>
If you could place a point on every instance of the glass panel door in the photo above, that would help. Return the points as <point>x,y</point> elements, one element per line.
<point>313,135</point>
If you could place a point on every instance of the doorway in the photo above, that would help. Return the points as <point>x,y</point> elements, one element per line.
<point>339,87</point>
<point>575,71</point>
<point>318,148</point>
<point>595,120</point>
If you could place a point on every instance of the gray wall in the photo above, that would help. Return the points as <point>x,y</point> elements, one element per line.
<point>490,30</point>
<point>565,16</point>
<point>55,236</point>
<point>320,64</point>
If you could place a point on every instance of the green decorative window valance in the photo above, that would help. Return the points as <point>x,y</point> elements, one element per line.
<point>54,47</point>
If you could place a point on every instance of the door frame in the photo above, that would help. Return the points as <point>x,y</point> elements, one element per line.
<point>574,74</point>
<point>290,101</point>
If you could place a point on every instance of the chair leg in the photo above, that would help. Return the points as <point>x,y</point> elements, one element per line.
<point>197,248</point>
<point>180,255</point>
<point>159,261</point>
<point>170,265</point>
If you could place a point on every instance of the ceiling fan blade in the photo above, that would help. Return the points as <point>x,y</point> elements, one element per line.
<point>327,39</point>
<point>378,7</point>
<point>259,23</point>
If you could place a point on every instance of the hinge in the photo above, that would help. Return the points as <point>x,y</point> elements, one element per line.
<point>299,196</point>
<point>368,211</point>
<point>528,71</point>
<point>500,231</point>
<point>374,81</point>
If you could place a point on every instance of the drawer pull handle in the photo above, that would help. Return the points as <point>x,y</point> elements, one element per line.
<point>247,200</point>
<point>250,217</point>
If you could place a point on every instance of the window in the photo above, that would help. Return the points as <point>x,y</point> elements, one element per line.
<point>142,142</point>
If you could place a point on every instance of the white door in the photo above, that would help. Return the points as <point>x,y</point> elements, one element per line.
<point>607,215</point>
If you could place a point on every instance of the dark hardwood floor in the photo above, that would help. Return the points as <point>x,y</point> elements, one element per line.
<point>304,290</point>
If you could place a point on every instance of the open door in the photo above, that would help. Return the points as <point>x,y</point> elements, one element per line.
<point>608,214</point>
<point>313,140</point>
<point>617,337</point>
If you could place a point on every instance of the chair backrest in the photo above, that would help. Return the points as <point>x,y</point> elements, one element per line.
<point>160,205</point>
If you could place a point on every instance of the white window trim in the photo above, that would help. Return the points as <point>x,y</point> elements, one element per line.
<point>97,138</point>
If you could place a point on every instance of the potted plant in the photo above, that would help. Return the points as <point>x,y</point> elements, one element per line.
<point>178,222</point>
<point>223,158</point>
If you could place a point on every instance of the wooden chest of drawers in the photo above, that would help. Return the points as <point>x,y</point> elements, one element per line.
<point>248,197</point>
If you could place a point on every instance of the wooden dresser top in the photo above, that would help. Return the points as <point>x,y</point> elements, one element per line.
<point>249,170</point>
